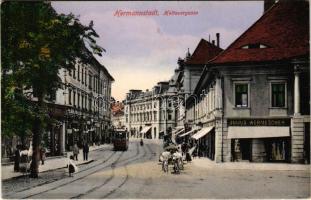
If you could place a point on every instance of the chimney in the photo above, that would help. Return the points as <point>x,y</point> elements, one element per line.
<point>213,42</point>
<point>217,39</point>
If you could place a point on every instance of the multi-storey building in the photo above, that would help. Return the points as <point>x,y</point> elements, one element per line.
<point>252,100</point>
<point>83,106</point>
<point>150,114</point>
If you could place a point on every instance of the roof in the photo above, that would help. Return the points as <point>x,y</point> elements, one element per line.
<point>204,52</point>
<point>284,29</point>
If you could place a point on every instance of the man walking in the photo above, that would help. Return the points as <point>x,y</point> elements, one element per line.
<point>85,151</point>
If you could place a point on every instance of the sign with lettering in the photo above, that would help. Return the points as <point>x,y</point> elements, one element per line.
<point>259,122</point>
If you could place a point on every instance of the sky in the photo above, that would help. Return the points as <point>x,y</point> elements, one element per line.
<point>143,50</point>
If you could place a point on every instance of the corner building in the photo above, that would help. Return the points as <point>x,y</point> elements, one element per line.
<point>257,91</point>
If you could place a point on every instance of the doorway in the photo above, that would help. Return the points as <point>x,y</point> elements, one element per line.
<point>245,146</point>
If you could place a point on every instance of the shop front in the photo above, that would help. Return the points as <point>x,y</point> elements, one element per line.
<point>205,141</point>
<point>260,140</point>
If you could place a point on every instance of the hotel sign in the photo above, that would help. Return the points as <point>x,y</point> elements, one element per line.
<point>258,122</point>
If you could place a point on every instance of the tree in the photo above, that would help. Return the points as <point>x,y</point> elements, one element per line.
<point>36,43</point>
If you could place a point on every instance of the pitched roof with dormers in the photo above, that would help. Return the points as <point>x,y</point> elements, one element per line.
<point>282,33</point>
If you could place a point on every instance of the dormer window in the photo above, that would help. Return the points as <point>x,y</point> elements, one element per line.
<point>254,46</point>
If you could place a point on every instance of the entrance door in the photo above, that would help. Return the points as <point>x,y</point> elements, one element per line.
<point>245,146</point>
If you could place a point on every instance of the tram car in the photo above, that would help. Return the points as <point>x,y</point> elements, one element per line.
<point>120,140</point>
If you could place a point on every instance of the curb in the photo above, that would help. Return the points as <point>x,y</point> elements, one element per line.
<point>22,175</point>
<point>52,157</point>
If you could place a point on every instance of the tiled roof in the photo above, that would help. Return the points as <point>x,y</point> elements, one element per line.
<point>284,29</point>
<point>117,108</point>
<point>204,52</point>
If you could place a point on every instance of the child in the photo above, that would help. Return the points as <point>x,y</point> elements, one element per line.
<point>72,168</point>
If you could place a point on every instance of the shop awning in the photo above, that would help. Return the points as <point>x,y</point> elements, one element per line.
<point>179,132</point>
<point>189,132</point>
<point>202,132</point>
<point>258,131</point>
<point>145,129</point>
<point>177,129</point>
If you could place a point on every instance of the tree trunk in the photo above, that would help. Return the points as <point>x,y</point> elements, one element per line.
<point>36,141</point>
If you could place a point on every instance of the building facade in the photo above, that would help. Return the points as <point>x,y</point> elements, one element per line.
<point>252,101</point>
<point>84,106</point>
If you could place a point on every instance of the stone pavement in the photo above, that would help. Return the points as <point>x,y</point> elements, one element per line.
<point>209,164</point>
<point>50,163</point>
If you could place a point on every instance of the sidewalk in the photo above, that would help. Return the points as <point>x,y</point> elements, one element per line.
<point>209,164</point>
<point>51,163</point>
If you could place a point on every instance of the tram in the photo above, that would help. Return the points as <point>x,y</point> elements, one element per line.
<point>120,140</point>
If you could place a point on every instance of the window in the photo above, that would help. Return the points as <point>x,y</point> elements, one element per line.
<point>85,77</point>
<point>169,117</point>
<point>90,81</point>
<point>82,75</point>
<point>69,97</point>
<point>74,99</point>
<point>255,46</point>
<point>78,72</point>
<point>241,95</point>
<point>278,94</point>
<point>78,100</point>
<point>74,73</point>
<point>170,104</point>
<point>82,101</point>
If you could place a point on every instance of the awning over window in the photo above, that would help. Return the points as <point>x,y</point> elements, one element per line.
<point>189,132</point>
<point>145,129</point>
<point>177,129</point>
<point>202,132</point>
<point>179,132</point>
<point>258,131</point>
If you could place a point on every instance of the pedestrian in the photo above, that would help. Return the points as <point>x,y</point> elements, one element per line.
<point>85,151</point>
<point>75,152</point>
<point>17,158</point>
<point>72,168</point>
<point>42,155</point>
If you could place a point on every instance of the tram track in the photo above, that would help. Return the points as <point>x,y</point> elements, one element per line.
<point>112,176</point>
<point>51,181</point>
<point>77,179</point>
<point>127,175</point>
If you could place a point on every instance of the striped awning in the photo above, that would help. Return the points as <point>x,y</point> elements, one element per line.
<point>145,129</point>
<point>202,132</point>
<point>189,132</point>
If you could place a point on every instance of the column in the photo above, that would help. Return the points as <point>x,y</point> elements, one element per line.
<point>62,139</point>
<point>297,91</point>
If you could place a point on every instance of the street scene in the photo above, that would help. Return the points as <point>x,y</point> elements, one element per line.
<point>137,173</point>
<point>155,100</point>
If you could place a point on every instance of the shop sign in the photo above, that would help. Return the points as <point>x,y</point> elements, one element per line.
<point>258,122</point>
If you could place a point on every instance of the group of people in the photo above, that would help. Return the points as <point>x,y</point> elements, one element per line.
<point>72,167</point>
<point>85,148</point>
<point>23,155</point>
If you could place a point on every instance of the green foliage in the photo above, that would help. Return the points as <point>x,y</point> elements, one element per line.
<point>36,44</point>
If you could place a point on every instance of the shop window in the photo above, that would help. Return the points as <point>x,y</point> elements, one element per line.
<point>277,150</point>
<point>241,95</point>
<point>278,94</point>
